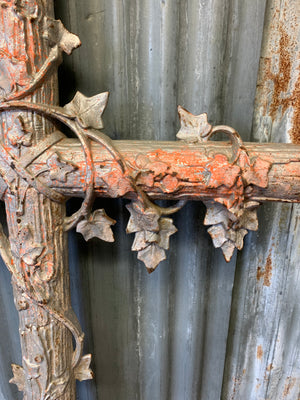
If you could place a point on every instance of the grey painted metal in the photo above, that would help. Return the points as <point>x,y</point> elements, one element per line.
<point>190,329</point>
<point>263,354</point>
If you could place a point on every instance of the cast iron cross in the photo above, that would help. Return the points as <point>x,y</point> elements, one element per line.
<point>40,169</point>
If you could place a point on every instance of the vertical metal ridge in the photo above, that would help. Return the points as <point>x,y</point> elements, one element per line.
<point>241,63</point>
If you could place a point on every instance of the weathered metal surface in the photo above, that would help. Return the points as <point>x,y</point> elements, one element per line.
<point>31,46</point>
<point>176,170</point>
<point>226,184</point>
<point>263,359</point>
<point>203,55</point>
<point>212,66</point>
<point>146,219</point>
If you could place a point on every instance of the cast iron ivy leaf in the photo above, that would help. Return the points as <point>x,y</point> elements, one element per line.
<point>58,35</point>
<point>58,168</point>
<point>257,173</point>
<point>98,224</point>
<point>229,229</point>
<point>18,378</point>
<point>83,371</point>
<point>161,238</point>
<point>142,218</point>
<point>151,256</point>
<point>194,128</point>
<point>152,234</point>
<point>151,246</point>
<point>88,110</point>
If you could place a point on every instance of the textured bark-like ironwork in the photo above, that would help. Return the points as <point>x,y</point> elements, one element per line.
<point>31,45</point>
<point>40,169</point>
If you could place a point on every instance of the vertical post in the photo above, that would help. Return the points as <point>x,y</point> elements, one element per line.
<point>37,240</point>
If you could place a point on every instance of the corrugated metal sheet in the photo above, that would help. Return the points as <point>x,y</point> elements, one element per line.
<point>263,354</point>
<point>197,328</point>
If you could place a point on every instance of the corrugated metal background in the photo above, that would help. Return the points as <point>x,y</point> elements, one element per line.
<point>197,328</point>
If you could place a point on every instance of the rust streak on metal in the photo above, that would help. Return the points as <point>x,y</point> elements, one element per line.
<point>294,132</point>
<point>268,271</point>
<point>281,79</point>
<point>259,352</point>
<point>270,367</point>
<point>290,383</point>
<point>265,273</point>
<point>279,68</point>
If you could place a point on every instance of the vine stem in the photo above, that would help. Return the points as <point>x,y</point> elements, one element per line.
<point>83,135</point>
<point>70,121</point>
<point>70,323</point>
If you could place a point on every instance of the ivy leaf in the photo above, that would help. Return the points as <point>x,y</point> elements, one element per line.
<point>219,168</point>
<point>98,224</point>
<point>142,218</point>
<point>248,220</point>
<point>166,229</point>
<point>88,110</point>
<point>236,236</point>
<point>83,371</point>
<point>216,214</point>
<point>194,128</point>
<point>57,34</point>
<point>228,229</point>
<point>58,168</point>
<point>151,256</point>
<point>19,377</point>
<point>142,239</point>
<point>257,173</point>
<point>152,234</point>
<point>228,249</point>
<point>218,235</point>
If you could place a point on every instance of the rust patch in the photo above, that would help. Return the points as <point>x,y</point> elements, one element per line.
<point>282,97</point>
<point>259,273</point>
<point>294,132</point>
<point>266,272</point>
<point>236,386</point>
<point>259,352</point>
<point>281,79</point>
<point>290,383</point>
<point>269,367</point>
